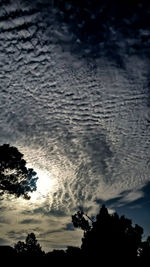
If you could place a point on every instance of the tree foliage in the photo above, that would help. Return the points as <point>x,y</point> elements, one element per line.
<point>110,237</point>
<point>15,177</point>
<point>30,247</point>
<point>144,251</point>
<point>79,221</point>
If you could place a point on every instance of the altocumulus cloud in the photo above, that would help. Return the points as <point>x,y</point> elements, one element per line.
<point>81,118</point>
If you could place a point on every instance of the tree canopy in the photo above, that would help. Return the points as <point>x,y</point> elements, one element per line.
<point>15,177</point>
<point>111,237</point>
<point>30,247</point>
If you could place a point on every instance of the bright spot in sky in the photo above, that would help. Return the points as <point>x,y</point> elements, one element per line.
<point>44,185</point>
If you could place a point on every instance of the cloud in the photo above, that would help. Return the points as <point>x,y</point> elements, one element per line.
<point>85,27</point>
<point>14,233</point>
<point>61,239</point>
<point>69,227</point>
<point>4,220</point>
<point>3,242</point>
<point>46,233</point>
<point>56,213</point>
<point>30,221</point>
<point>129,198</point>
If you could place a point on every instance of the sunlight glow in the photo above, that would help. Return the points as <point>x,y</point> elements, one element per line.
<point>44,185</point>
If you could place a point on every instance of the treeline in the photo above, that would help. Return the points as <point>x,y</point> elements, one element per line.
<point>107,240</point>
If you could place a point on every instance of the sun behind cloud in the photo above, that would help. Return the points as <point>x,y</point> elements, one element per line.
<point>45,185</point>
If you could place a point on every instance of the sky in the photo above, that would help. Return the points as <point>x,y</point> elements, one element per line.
<point>75,100</point>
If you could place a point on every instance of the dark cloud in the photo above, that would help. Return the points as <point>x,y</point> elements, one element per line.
<point>45,212</point>
<point>88,28</point>
<point>46,233</point>
<point>14,233</point>
<point>126,198</point>
<point>3,208</point>
<point>97,152</point>
<point>57,213</point>
<point>69,227</point>
<point>20,235</point>
<point>30,221</point>
<point>4,220</point>
<point>3,242</point>
<point>110,29</point>
<point>16,236</point>
<point>39,210</point>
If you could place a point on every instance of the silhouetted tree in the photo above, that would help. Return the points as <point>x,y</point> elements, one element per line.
<point>31,247</point>
<point>20,248</point>
<point>80,222</point>
<point>57,253</point>
<point>144,252</point>
<point>112,238</point>
<point>15,177</point>
<point>73,251</point>
<point>7,255</point>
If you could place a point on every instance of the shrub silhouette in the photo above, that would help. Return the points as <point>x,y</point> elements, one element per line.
<point>15,177</point>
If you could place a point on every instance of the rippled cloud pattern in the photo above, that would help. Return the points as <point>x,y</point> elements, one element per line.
<point>83,118</point>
